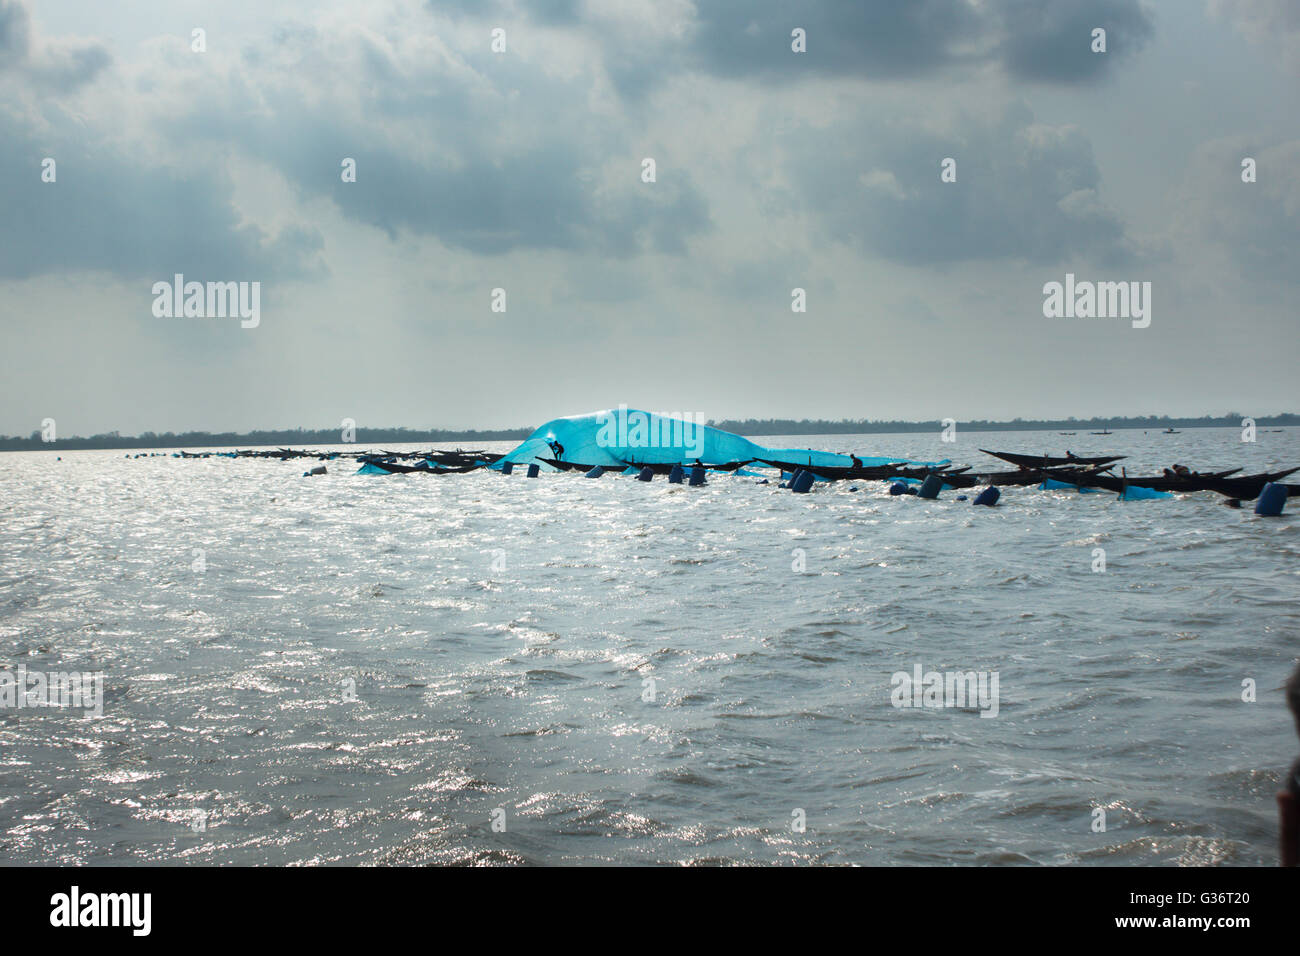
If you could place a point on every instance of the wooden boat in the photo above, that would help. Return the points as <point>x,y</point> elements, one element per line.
<point>1048,461</point>
<point>661,468</point>
<point>567,465</point>
<point>1022,477</point>
<point>866,472</point>
<point>392,467</point>
<point>839,472</point>
<point>1246,487</point>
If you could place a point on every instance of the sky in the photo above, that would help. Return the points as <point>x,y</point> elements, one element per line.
<point>522,168</point>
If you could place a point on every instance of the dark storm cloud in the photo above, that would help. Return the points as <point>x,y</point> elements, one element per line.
<point>752,37</point>
<point>1039,40</point>
<point>549,12</point>
<point>1023,191</point>
<point>107,212</point>
<point>429,164</point>
<point>63,70</point>
<point>15,32</point>
<point>535,198</point>
<point>1035,40</point>
<point>1050,40</point>
<point>457,154</point>
<point>52,67</point>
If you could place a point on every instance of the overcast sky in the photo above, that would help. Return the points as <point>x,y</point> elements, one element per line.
<point>522,170</point>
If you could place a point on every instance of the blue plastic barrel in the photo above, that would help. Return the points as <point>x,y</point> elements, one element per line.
<point>989,496</point>
<point>931,487</point>
<point>595,472</point>
<point>647,474</point>
<point>676,475</point>
<point>898,488</point>
<point>697,475</point>
<point>507,468</point>
<point>533,470</point>
<point>802,482</point>
<point>1271,500</point>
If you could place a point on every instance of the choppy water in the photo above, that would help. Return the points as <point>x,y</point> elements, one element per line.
<point>521,687</point>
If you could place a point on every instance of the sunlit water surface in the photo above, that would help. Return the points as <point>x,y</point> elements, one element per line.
<point>636,673</point>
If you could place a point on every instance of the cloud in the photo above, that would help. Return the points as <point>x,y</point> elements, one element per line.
<point>460,147</point>
<point>107,211</point>
<point>58,66</point>
<point>748,38</point>
<point>1051,40</point>
<point>1047,41</point>
<point>1024,190</point>
<point>1253,228</point>
<point>448,146</point>
<point>1272,23</point>
<point>15,32</point>
<point>1029,40</point>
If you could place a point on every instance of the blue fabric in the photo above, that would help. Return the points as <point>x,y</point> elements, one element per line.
<point>615,436</point>
<point>1134,493</point>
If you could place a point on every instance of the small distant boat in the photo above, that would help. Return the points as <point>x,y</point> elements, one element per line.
<point>1067,433</point>
<point>1099,433</point>
<point>1171,431</point>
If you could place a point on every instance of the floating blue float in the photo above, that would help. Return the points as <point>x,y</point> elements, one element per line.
<point>676,475</point>
<point>507,468</point>
<point>647,474</point>
<point>1138,493</point>
<point>989,496</point>
<point>898,488</point>
<point>533,470</point>
<point>697,475</point>
<point>595,472</point>
<point>802,482</point>
<point>1271,500</point>
<point>931,487</point>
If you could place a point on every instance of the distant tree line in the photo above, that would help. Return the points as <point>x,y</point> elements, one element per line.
<point>295,437</point>
<point>863,426</point>
<point>299,437</point>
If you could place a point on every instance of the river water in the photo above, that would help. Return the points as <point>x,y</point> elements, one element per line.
<point>488,669</point>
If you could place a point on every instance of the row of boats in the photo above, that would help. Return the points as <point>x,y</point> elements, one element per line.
<point>1051,471</point>
<point>1080,472</point>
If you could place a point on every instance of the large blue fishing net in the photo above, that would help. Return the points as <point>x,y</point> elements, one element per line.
<point>622,436</point>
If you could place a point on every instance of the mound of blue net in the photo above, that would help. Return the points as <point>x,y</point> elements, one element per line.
<point>617,437</point>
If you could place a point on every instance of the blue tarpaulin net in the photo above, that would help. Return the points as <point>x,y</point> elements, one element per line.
<point>618,436</point>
